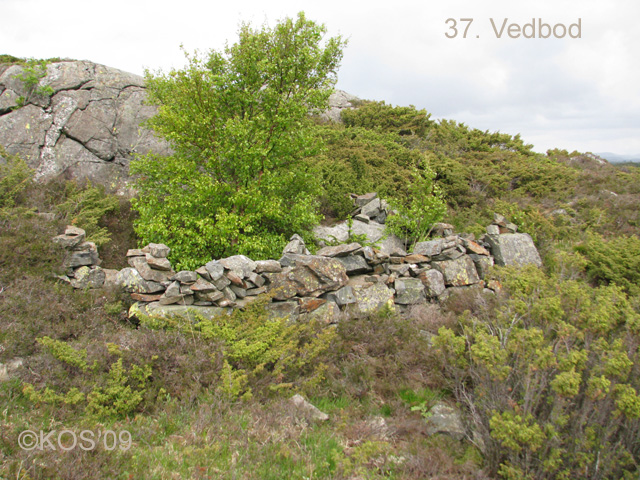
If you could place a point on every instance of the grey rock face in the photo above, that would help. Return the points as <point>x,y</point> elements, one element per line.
<point>514,249</point>
<point>458,272</point>
<point>338,101</point>
<point>89,128</point>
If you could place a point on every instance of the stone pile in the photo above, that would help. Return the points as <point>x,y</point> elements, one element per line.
<point>81,262</point>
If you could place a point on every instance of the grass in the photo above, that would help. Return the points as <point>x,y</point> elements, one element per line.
<point>184,427</point>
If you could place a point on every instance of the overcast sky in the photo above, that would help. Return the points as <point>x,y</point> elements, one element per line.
<point>574,93</point>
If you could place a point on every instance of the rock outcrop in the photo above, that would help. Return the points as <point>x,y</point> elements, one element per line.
<point>89,126</point>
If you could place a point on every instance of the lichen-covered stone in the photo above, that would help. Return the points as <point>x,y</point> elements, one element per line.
<point>514,249</point>
<point>433,281</point>
<point>131,281</point>
<point>409,291</point>
<point>370,298</point>
<point>458,272</point>
<point>308,276</point>
<point>85,277</point>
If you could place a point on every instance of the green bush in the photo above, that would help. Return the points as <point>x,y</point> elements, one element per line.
<point>258,352</point>
<point>550,378</point>
<point>239,126</point>
<point>424,207</point>
<point>85,206</point>
<point>614,261</point>
<point>15,178</point>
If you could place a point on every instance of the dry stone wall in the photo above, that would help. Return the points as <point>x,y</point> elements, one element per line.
<point>339,280</point>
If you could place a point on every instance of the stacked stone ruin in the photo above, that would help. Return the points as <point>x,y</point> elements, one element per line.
<point>81,262</point>
<point>347,279</point>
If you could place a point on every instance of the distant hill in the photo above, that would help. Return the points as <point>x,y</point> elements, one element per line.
<point>615,158</point>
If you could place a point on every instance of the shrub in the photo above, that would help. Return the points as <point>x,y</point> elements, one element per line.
<point>239,126</point>
<point>550,378</point>
<point>258,352</point>
<point>85,206</point>
<point>613,261</point>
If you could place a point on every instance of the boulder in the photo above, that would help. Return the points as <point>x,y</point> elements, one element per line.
<point>458,272</point>
<point>433,281</point>
<point>409,291</point>
<point>131,281</point>
<point>307,409</point>
<point>241,265</point>
<point>308,276</point>
<point>514,249</point>
<point>7,370</point>
<point>445,420</point>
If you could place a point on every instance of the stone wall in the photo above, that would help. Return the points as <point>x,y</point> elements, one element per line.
<point>339,280</point>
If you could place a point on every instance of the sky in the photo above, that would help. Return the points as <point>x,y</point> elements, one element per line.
<point>572,93</point>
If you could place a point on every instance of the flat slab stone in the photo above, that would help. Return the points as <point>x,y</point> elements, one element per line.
<point>154,309</point>
<point>370,298</point>
<point>430,248</point>
<point>409,291</point>
<point>341,250</point>
<point>514,249</point>
<point>458,272</point>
